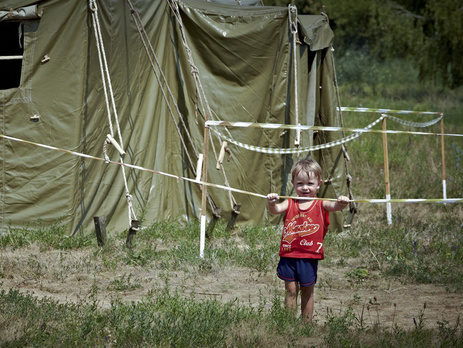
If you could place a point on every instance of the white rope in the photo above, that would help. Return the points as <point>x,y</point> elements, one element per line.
<point>344,140</point>
<point>412,200</point>
<point>105,76</point>
<point>151,54</point>
<point>292,16</point>
<point>199,87</point>
<point>415,124</point>
<point>94,9</point>
<point>297,150</point>
<point>331,129</point>
<point>388,111</point>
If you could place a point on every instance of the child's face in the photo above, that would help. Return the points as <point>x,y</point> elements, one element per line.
<point>306,184</point>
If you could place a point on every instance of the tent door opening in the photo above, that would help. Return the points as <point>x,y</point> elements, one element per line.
<point>11,54</point>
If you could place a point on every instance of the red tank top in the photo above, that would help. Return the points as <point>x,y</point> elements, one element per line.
<point>304,231</point>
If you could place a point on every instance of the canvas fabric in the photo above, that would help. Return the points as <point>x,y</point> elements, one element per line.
<point>243,56</point>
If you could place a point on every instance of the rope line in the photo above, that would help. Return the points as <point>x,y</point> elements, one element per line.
<point>415,124</point>
<point>382,111</point>
<point>303,127</point>
<point>296,150</point>
<point>228,188</point>
<point>326,145</point>
<point>199,87</point>
<point>292,17</point>
<point>341,118</point>
<point>105,77</point>
<point>152,55</point>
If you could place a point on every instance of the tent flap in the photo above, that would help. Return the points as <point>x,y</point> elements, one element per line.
<point>316,31</point>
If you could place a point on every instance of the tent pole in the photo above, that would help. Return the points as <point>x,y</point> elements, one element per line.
<point>386,173</point>
<point>202,240</point>
<point>444,183</point>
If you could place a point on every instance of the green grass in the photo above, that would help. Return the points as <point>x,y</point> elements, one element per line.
<point>413,249</point>
<point>416,251</point>
<point>37,231</point>
<point>422,246</point>
<point>164,319</point>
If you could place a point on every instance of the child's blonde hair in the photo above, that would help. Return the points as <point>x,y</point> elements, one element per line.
<point>307,165</point>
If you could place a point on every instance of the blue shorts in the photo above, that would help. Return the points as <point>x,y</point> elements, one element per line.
<point>303,271</point>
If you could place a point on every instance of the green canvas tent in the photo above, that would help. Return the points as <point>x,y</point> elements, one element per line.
<point>148,80</point>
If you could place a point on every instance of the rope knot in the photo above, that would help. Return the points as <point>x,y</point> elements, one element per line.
<point>292,18</point>
<point>194,70</point>
<point>93,5</point>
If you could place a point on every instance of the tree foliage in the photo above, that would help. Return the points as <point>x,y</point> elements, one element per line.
<point>427,32</point>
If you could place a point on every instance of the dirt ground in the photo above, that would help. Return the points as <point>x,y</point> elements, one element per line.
<point>70,275</point>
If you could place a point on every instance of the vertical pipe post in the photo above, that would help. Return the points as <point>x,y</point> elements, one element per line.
<point>202,240</point>
<point>444,183</point>
<point>386,173</point>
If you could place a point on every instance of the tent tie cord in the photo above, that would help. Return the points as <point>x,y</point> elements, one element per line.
<point>195,73</point>
<point>152,56</point>
<point>107,87</point>
<point>352,206</point>
<point>362,200</point>
<point>292,18</point>
<point>199,90</point>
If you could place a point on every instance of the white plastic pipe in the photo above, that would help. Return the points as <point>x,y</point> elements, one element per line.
<point>389,210</point>
<point>202,239</point>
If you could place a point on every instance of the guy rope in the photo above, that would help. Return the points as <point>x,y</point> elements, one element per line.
<point>227,188</point>
<point>292,15</point>
<point>201,103</point>
<point>160,77</point>
<point>110,104</point>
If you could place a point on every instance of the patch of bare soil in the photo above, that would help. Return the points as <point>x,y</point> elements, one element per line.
<point>68,276</point>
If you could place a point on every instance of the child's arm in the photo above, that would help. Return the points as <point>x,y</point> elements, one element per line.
<point>274,207</point>
<point>340,204</point>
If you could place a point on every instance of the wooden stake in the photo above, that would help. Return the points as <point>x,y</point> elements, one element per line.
<point>386,173</point>
<point>134,227</point>
<point>216,215</point>
<point>235,212</point>
<point>100,230</point>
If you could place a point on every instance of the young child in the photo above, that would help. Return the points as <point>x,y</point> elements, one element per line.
<point>305,225</point>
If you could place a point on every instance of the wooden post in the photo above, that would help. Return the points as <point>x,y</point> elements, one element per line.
<point>444,183</point>
<point>100,230</point>
<point>134,227</point>
<point>202,240</point>
<point>386,173</point>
